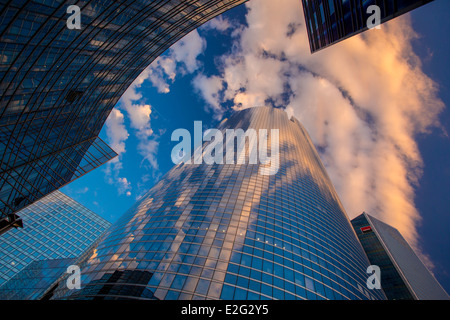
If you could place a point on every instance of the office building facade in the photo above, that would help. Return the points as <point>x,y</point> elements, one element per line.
<point>403,275</point>
<point>227,231</point>
<point>35,280</point>
<point>58,83</point>
<point>56,227</point>
<point>331,21</point>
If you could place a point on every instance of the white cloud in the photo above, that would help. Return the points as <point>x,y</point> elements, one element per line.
<point>362,100</point>
<point>182,58</point>
<point>219,23</point>
<point>161,72</point>
<point>117,135</point>
<point>138,115</point>
<point>83,190</point>
<point>209,89</point>
<point>148,148</point>
<point>124,186</point>
<point>188,49</point>
<point>116,131</point>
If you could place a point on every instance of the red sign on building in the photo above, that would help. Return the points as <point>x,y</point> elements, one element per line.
<point>366,229</point>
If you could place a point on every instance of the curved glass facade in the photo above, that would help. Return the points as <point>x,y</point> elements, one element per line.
<point>58,85</point>
<point>225,231</point>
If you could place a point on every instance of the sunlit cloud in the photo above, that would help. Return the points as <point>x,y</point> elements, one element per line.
<point>363,101</point>
<point>117,135</point>
<point>219,23</point>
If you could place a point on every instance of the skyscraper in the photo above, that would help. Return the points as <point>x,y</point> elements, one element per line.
<point>232,231</point>
<point>330,21</point>
<point>56,227</point>
<point>59,83</point>
<point>403,275</point>
<point>33,282</point>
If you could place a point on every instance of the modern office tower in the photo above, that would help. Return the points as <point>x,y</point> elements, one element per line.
<point>59,83</point>
<point>33,282</point>
<point>235,231</point>
<point>330,21</point>
<point>56,227</point>
<point>403,275</point>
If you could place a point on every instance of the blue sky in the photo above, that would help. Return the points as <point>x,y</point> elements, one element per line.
<point>375,106</point>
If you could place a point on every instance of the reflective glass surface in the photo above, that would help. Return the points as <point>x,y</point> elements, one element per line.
<point>330,21</point>
<point>55,227</point>
<point>35,280</point>
<point>403,274</point>
<point>58,85</point>
<point>226,231</point>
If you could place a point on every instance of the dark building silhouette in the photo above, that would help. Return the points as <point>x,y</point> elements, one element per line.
<point>330,21</point>
<point>121,284</point>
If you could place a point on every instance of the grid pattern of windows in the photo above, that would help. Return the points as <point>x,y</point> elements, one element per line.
<point>54,227</point>
<point>35,280</point>
<point>22,185</point>
<point>330,21</point>
<point>392,283</point>
<point>58,85</point>
<point>225,231</point>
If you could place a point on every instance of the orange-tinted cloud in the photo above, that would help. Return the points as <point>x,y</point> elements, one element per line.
<point>363,101</point>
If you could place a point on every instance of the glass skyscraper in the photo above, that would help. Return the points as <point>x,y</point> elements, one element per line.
<point>232,231</point>
<point>55,227</point>
<point>403,275</point>
<point>36,281</point>
<point>59,84</point>
<point>330,21</point>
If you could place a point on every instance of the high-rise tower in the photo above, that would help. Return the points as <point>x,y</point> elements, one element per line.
<point>330,21</point>
<point>57,229</point>
<point>235,231</point>
<point>403,274</point>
